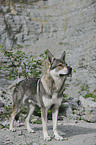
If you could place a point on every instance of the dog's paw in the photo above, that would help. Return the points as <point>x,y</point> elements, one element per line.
<point>59,138</point>
<point>47,138</point>
<point>12,129</point>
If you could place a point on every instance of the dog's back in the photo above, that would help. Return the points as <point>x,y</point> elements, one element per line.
<point>24,91</point>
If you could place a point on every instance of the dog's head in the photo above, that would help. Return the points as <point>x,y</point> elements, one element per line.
<point>58,67</point>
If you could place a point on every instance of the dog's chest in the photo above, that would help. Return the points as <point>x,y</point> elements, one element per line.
<point>48,102</point>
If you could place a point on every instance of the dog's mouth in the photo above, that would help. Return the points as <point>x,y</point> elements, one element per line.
<point>69,72</point>
<point>62,75</point>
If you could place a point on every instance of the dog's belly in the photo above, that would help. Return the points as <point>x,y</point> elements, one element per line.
<point>49,102</point>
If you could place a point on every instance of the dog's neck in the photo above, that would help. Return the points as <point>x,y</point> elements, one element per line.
<point>47,82</point>
<point>52,85</point>
<point>58,82</point>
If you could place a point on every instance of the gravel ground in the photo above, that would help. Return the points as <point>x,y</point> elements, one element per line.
<point>81,133</point>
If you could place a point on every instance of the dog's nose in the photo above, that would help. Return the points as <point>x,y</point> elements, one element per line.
<point>69,69</point>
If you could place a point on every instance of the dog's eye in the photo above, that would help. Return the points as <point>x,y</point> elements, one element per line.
<point>60,65</point>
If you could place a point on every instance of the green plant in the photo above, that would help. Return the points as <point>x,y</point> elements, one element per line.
<point>94,90</point>
<point>21,64</point>
<point>74,71</point>
<point>90,95</point>
<point>85,87</point>
<point>36,120</point>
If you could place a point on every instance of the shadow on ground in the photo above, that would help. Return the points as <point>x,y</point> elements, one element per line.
<point>69,130</point>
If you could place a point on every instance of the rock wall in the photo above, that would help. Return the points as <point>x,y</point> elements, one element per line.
<point>55,25</point>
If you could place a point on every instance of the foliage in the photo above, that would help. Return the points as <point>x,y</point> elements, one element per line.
<point>36,120</point>
<point>90,95</point>
<point>74,71</point>
<point>85,87</point>
<point>94,90</point>
<point>21,64</point>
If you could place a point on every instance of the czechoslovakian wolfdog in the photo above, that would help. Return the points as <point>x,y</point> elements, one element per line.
<point>45,92</point>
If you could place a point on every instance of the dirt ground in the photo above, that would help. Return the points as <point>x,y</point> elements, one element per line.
<point>81,133</point>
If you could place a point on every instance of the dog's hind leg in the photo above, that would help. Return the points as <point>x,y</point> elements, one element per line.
<point>30,111</point>
<point>44,123</point>
<point>12,118</point>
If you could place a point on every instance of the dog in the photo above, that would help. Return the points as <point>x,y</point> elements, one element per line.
<point>45,92</point>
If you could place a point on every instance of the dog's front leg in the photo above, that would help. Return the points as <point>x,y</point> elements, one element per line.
<point>54,117</point>
<point>44,123</point>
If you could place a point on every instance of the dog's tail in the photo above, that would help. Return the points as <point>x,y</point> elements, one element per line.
<point>16,112</point>
<point>16,104</point>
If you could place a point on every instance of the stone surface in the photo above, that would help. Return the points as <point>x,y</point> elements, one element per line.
<point>89,109</point>
<point>79,108</point>
<point>79,133</point>
<point>57,26</point>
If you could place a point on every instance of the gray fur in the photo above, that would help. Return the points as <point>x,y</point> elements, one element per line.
<point>45,92</point>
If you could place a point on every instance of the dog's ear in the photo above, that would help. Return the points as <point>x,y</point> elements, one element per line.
<point>50,57</point>
<point>63,56</point>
